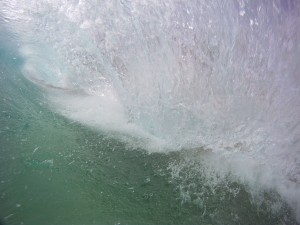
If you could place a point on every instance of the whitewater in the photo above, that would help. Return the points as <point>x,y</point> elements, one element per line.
<point>206,92</point>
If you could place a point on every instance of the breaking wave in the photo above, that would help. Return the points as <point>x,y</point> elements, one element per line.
<point>172,75</point>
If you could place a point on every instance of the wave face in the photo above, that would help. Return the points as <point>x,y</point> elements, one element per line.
<point>178,75</point>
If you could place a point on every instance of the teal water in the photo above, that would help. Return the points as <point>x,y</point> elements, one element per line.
<point>57,171</point>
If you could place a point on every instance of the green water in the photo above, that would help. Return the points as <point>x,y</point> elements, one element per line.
<point>56,171</point>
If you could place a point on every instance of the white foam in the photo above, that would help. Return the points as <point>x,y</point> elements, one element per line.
<point>103,112</point>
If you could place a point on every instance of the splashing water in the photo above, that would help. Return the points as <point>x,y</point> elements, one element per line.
<point>173,75</point>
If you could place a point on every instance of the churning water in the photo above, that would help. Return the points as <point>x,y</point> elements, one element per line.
<point>149,112</point>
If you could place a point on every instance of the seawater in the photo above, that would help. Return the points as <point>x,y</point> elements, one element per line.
<point>109,119</point>
<point>57,171</point>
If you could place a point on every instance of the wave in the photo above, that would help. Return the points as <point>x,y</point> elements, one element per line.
<point>175,75</point>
